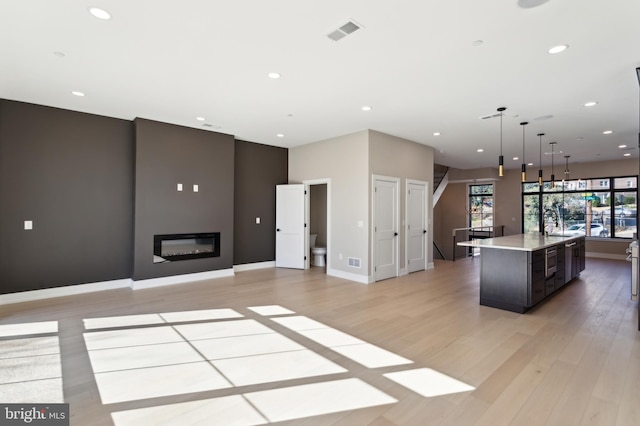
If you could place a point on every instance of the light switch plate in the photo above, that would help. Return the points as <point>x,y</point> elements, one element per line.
<point>257,220</point>
<point>28,225</point>
<point>179,187</point>
<point>195,188</point>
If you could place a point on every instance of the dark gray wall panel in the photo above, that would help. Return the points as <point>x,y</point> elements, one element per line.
<point>259,168</point>
<point>71,174</point>
<point>166,155</point>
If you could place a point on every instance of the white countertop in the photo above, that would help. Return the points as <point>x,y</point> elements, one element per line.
<point>523,242</point>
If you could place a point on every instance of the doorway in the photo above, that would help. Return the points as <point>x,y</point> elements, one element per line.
<point>318,213</point>
<point>416,220</point>
<point>386,224</point>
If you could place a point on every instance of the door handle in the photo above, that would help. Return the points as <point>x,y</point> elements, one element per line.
<point>277,229</point>
<point>395,234</point>
<point>424,231</point>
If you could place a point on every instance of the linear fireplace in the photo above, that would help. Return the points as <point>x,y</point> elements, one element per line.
<point>172,247</point>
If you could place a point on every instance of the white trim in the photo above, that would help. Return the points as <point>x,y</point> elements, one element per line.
<point>403,271</point>
<point>606,255</point>
<point>363,279</point>
<point>69,290</point>
<point>431,265</point>
<point>180,279</point>
<point>441,187</point>
<point>252,266</point>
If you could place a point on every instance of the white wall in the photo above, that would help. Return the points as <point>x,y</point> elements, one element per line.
<point>344,160</point>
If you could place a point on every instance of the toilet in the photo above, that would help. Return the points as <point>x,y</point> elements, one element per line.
<point>317,253</point>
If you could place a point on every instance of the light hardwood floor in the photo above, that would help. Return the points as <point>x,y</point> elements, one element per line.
<point>573,360</point>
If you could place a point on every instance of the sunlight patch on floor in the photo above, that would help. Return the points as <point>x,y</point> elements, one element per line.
<point>30,367</point>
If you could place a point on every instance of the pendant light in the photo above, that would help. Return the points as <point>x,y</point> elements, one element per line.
<point>540,135</point>
<point>501,158</point>
<point>566,167</point>
<point>524,165</point>
<point>553,177</point>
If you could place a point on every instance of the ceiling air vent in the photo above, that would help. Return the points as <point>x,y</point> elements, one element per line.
<point>343,31</point>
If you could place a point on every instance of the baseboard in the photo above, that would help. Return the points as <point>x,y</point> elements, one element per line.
<point>70,290</point>
<point>348,276</point>
<point>431,265</point>
<point>606,255</point>
<point>403,271</point>
<point>180,279</point>
<point>252,266</point>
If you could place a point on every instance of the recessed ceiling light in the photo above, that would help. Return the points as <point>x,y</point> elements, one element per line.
<point>579,138</point>
<point>526,4</point>
<point>274,75</point>
<point>77,93</point>
<point>280,135</point>
<point>59,54</point>
<point>607,132</point>
<point>366,108</point>
<point>591,103</point>
<point>436,133</point>
<point>100,13</point>
<point>200,118</point>
<point>477,43</point>
<point>627,154</point>
<point>480,150</point>
<point>515,158</point>
<point>622,146</point>
<point>529,164</point>
<point>558,49</point>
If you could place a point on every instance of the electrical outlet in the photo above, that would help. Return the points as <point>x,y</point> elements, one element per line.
<point>257,220</point>
<point>28,225</point>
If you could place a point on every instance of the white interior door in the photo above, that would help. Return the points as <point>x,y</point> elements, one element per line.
<point>385,227</point>
<point>416,226</point>
<point>290,226</point>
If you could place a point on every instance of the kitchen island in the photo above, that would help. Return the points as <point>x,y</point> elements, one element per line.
<point>519,271</point>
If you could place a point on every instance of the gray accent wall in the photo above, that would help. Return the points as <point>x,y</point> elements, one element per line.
<point>166,155</point>
<point>98,189</point>
<point>71,174</point>
<point>258,169</point>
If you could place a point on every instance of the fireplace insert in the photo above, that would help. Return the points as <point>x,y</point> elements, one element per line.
<point>173,247</point>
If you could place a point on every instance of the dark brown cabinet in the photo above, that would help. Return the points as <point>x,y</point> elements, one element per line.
<point>517,280</point>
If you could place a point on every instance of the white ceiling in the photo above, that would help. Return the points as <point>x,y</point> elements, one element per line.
<point>413,61</point>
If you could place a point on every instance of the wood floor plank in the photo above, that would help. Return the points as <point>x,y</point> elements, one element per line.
<point>573,360</point>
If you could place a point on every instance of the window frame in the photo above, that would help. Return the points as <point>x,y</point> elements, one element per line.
<point>602,185</point>
<point>470,194</point>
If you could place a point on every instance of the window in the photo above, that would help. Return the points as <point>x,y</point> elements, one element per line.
<point>480,205</point>
<point>602,207</point>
